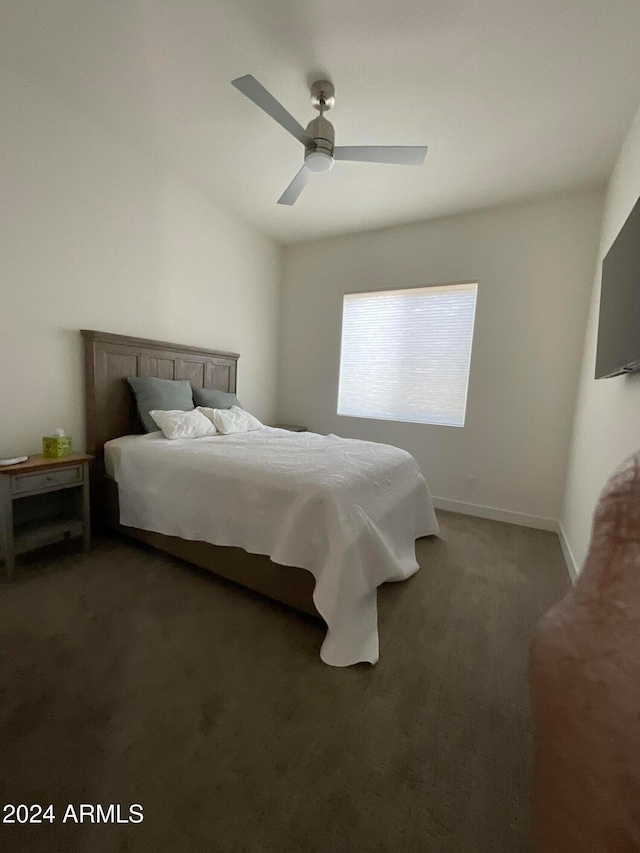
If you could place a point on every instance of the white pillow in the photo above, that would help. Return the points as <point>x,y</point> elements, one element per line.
<point>177,424</point>
<point>231,420</point>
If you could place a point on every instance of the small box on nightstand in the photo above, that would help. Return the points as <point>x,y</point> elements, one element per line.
<point>56,446</point>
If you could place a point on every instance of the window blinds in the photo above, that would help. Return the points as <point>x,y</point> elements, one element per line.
<point>405,354</point>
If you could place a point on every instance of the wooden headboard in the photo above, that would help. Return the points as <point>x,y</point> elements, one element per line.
<point>110,359</point>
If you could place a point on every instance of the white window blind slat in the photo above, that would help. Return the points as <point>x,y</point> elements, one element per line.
<point>405,354</point>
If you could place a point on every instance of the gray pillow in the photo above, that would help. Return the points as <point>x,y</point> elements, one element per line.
<point>164,394</point>
<point>214,399</point>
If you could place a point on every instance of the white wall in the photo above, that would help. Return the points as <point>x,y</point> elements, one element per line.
<point>607,418</point>
<point>534,263</point>
<point>96,235</point>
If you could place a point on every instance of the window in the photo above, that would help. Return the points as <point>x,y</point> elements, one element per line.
<point>405,354</point>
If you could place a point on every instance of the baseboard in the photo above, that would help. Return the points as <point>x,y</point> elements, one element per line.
<point>569,559</point>
<point>510,517</point>
<point>495,514</point>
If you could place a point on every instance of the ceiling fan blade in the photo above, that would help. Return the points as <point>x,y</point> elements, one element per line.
<point>401,155</point>
<point>290,195</point>
<point>256,92</point>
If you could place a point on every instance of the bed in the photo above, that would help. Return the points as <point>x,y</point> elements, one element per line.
<point>336,526</point>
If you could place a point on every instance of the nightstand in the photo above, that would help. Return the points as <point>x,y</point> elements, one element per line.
<point>43,501</point>
<point>291,427</point>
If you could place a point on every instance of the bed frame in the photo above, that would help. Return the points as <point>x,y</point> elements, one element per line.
<point>111,413</point>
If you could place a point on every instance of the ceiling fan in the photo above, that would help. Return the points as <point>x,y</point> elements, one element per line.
<point>318,137</point>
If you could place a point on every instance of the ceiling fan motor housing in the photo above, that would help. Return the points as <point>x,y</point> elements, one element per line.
<point>319,154</point>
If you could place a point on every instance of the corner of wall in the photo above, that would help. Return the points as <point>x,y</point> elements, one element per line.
<point>607,411</point>
<point>569,559</point>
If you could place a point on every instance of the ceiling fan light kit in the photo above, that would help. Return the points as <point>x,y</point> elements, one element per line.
<point>318,138</point>
<point>318,154</point>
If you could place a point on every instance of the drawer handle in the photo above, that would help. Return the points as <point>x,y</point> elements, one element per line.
<point>50,477</point>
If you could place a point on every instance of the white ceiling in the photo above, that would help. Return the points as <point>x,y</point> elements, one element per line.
<point>513,97</point>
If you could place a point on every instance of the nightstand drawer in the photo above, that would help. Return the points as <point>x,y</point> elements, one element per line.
<point>44,480</point>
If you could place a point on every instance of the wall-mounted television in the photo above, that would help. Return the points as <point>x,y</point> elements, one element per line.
<point>619,322</point>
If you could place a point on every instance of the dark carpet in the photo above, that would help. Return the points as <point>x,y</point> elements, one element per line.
<point>130,677</point>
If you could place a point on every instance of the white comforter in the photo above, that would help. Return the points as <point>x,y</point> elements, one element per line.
<point>348,511</point>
